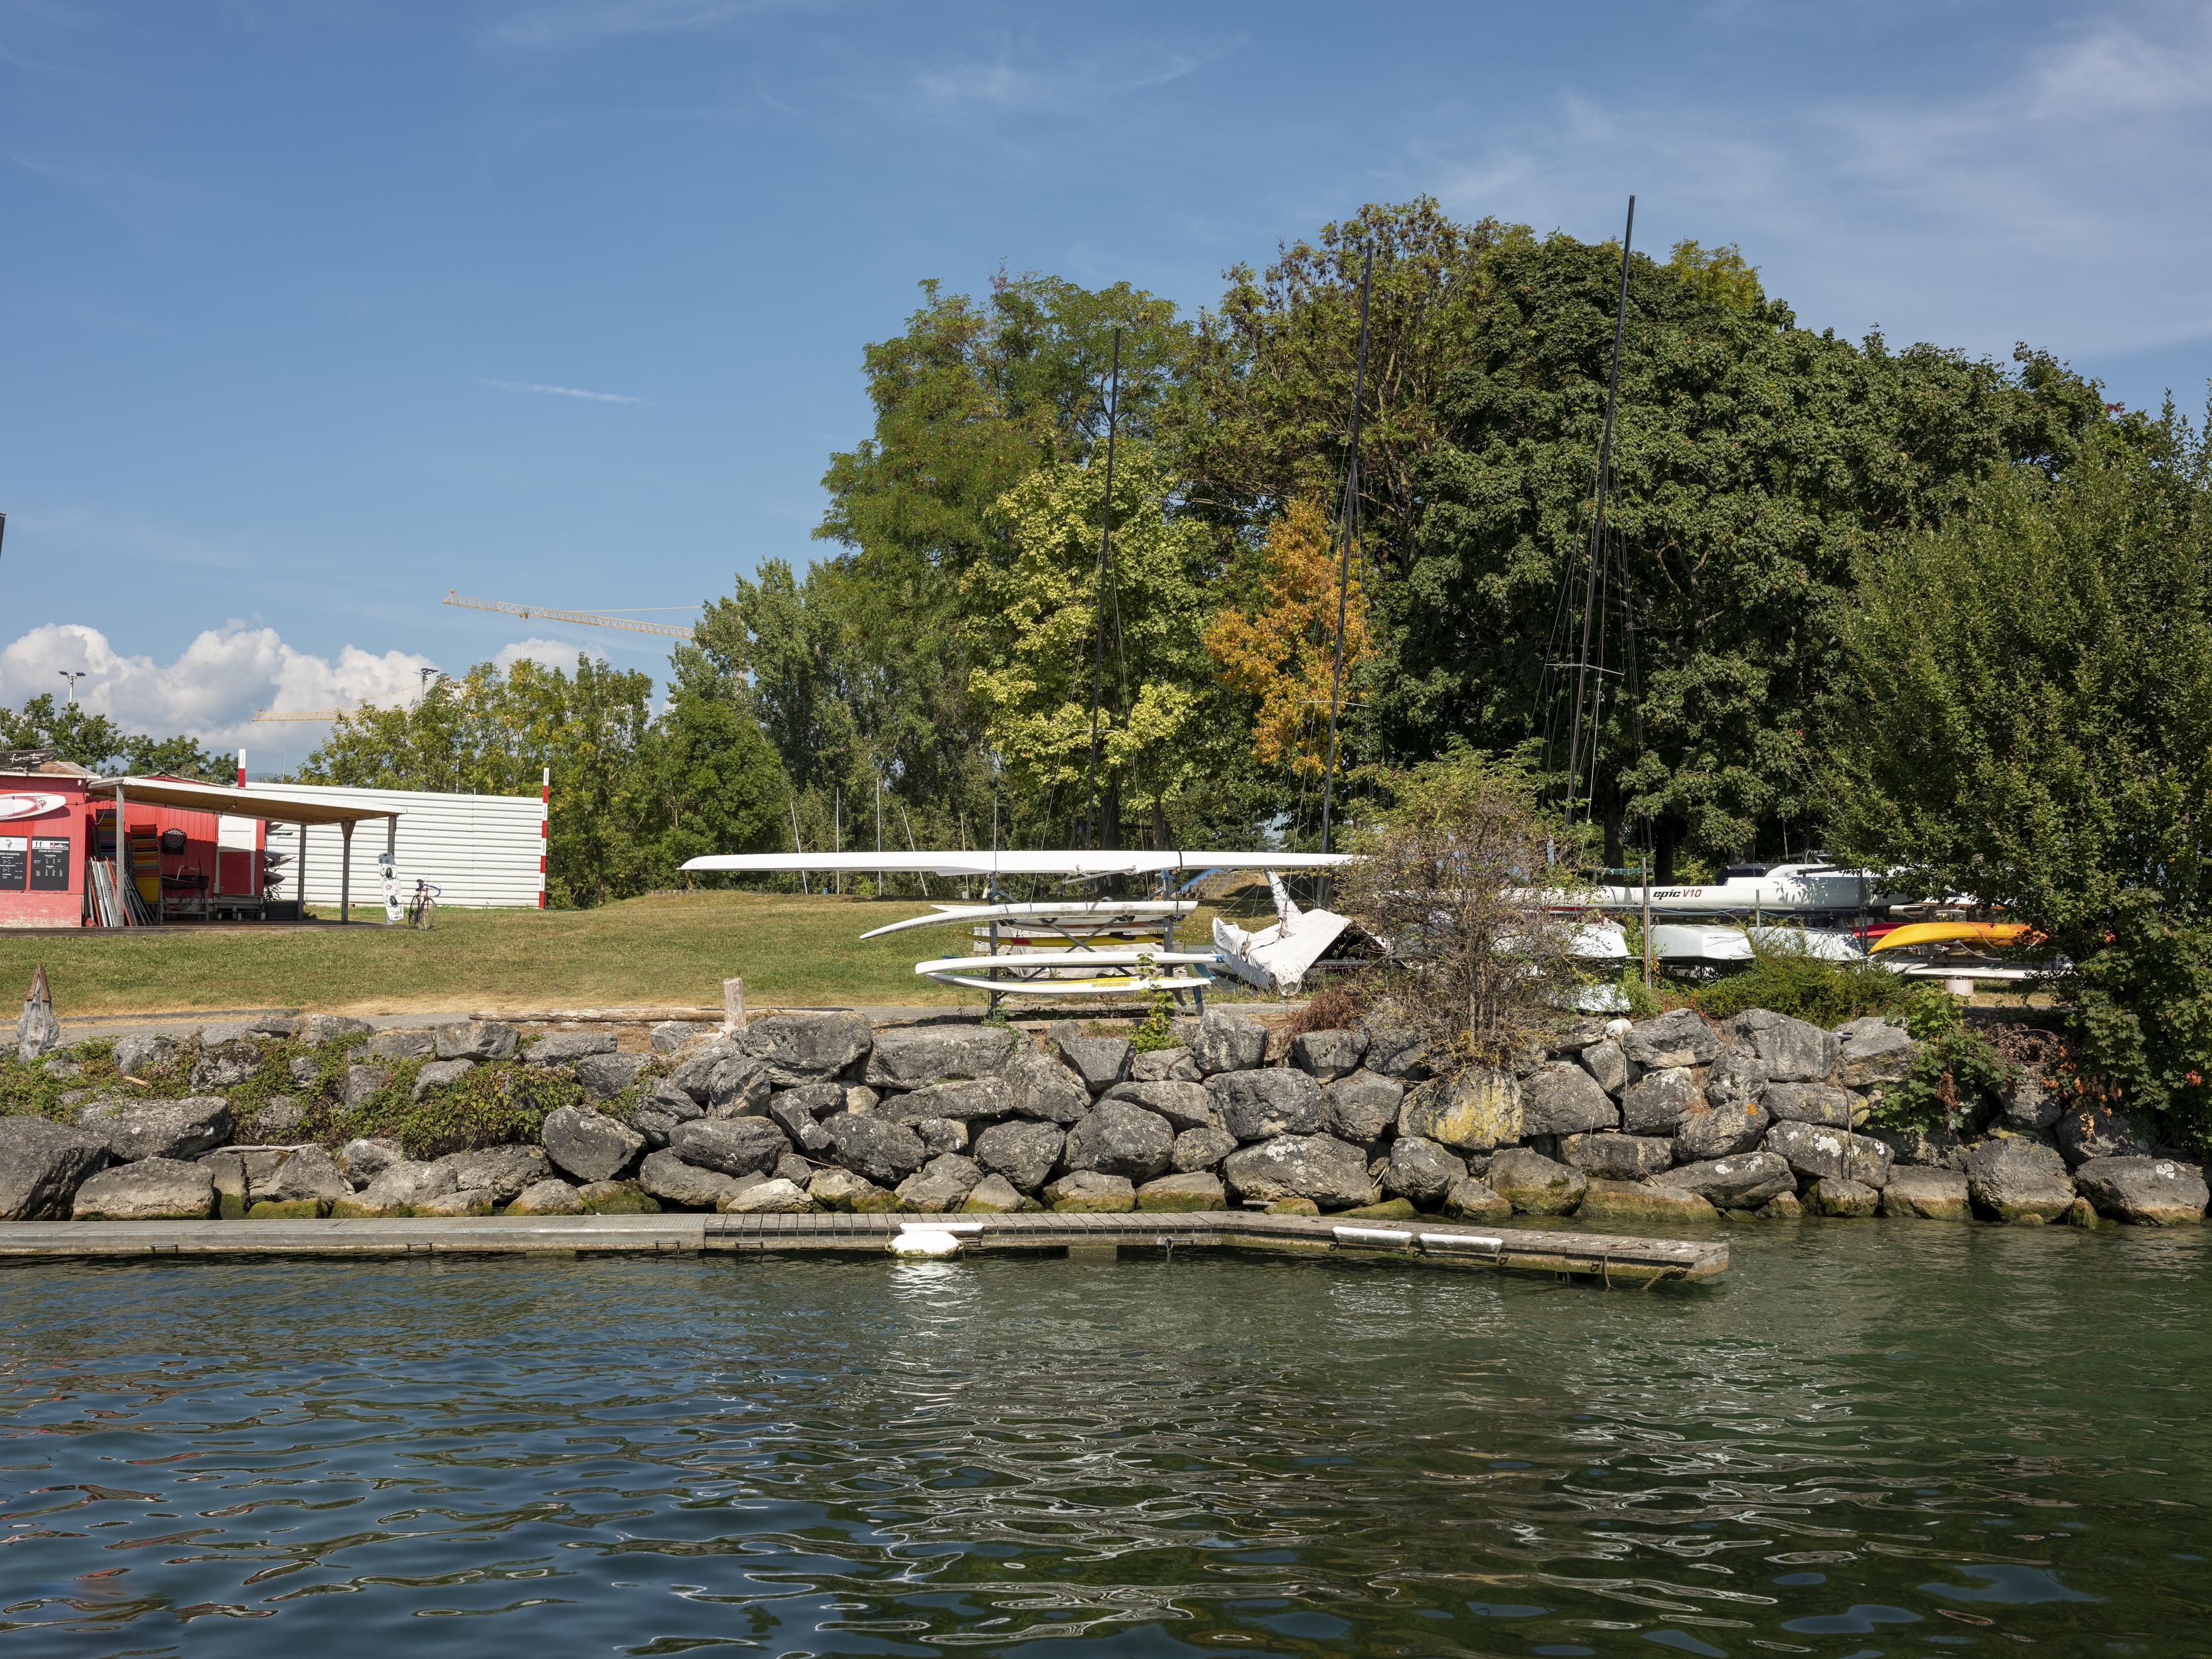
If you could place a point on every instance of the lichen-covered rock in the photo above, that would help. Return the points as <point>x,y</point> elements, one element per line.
<point>277,1118</point>
<point>1874,1052</point>
<point>940,1184</point>
<point>1676,1039</point>
<point>1328,1055</point>
<point>1200,1149</point>
<point>1089,1190</point>
<point>1042,1088</point>
<point>361,1084</point>
<point>670,1034</point>
<point>1715,1130</point>
<point>1119,1138</point>
<point>939,1135</point>
<point>775,1196</point>
<point>616,1198</point>
<point>842,1189</point>
<point>225,1066</point>
<point>548,1197</point>
<point>885,1152</point>
<point>503,1171</point>
<point>1657,1102</point>
<point>1533,1184</point>
<point>2098,1132</point>
<point>1258,1105</point>
<point>1815,1151</point>
<point>798,1048</point>
<point>734,1145</point>
<point>1473,1112</point>
<point>1228,1042</point>
<point>1333,1173</point>
<point>799,1118</point>
<point>976,1101</point>
<point>148,1190</point>
<point>1421,1170</point>
<point>41,1166</point>
<point>1024,1151</point>
<point>1646,1201</point>
<point>1100,1062</point>
<point>2019,1181</point>
<point>310,1175</point>
<point>1362,1107</point>
<point>912,1057</point>
<point>1472,1199</point>
<point>1782,1206</point>
<point>564,1048</point>
<point>1395,1051</point>
<point>477,1039</point>
<point>1608,1066</point>
<point>1930,1195</point>
<point>1736,1078</point>
<point>1839,1195</point>
<point>2029,1105</point>
<point>1174,1193</point>
<point>1611,1157</point>
<point>588,1144</point>
<point>1788,1050</point>
<point>687,1186</point>
<point>1561,1098</point>
<point>400,1045</point>
<point>656,1117</point>
<point>2151,1192</point>
<point>605,1076</point>
<point>397,1189</point>
<point>1184,1105</point>
<point>1742,1182</point>
<point>1811,1102</point>
<point>227,1168</point>
<point>696,1066</point>
<point>467,1201</point>
<point>1937,1148</point>
<point>178,1129</point>
<point>1164,1066</point>
<point>992,1195</point>
<point>441,1072</point>
<point>140,1053</point>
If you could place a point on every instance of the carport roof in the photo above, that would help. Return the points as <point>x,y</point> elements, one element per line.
<point>214,798</point>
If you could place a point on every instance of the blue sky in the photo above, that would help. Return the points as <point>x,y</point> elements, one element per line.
<point>313,309</point>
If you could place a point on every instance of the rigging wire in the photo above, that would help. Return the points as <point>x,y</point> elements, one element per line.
<point>1349,516</point>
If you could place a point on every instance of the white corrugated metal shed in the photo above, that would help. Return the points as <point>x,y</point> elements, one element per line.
<point>482,851</point>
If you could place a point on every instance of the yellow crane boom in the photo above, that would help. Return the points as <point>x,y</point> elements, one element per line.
<point>305,714</point>
<point>589,619</point>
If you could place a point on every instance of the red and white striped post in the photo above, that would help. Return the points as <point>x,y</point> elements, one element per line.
<point>241,769</point>
<point>545,829</point>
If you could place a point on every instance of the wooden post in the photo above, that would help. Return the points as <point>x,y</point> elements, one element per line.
<point>734,1004</point>
<point>345,872</point>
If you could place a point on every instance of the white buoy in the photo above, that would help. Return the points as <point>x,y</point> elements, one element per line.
<point>925,1241</point>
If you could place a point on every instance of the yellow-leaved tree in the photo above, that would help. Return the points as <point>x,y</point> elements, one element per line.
<point>1284,652</point>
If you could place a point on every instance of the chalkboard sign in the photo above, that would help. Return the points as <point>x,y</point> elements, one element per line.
<point>12,849</point>
<point>50,863</point>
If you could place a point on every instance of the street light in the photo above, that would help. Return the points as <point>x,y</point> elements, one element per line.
<point>72,675</point>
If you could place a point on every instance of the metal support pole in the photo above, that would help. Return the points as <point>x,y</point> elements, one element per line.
<point>345,872</point>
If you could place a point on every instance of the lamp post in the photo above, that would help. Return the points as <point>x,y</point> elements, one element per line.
<point>72,675</point>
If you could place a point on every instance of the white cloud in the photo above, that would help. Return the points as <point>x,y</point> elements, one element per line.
<point>546,654</point>
<point>562,392</point>
<point>579,22</point>
<point>211,690</point>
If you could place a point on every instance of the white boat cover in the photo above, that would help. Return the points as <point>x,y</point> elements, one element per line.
<point>1013,863</point>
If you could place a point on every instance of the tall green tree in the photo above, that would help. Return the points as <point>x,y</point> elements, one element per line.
<point>75,733</point>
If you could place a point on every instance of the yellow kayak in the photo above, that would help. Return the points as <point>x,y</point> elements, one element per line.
<point>1954,933</point>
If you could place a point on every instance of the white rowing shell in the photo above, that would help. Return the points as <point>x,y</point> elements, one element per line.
<point>1075,987</point>
<point>1087,912</point>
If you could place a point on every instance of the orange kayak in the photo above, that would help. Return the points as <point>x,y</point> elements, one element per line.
<point>1956,932</point>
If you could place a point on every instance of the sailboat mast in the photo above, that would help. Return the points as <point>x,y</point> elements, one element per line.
<point>1349,521</point>
<point>1105,546</point>
<point>1597,537</point>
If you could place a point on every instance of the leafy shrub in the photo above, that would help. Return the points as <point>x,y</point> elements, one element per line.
<point>1808,987</point>
<point>1955,1077</point>
<point>1156,1030</point>
<point>1334,1007</point>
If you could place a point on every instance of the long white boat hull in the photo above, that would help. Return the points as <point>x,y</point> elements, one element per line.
<point>1786,889</point>
<point>1072,913</point>
<point>1013,863</point>
<point>1031,972</point>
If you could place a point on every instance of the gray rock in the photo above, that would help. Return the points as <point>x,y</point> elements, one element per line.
<point>39,1032</point>
<point>1421,1170</point>
<point>1472,1199</point>
<point>1839,1195</point>
<point>2030,1106</point>
<point>316,1029</point>
<point>278,1118</point>
<point>1533,1184</point>
<point>1328,1055</point>
<point>565,1047</point>
<point>1680,1038</point>
<point>1815,1151</point>
<point>477,1039</point>
<point>439,1074</point>
<point>1928,1195</point>
<point>363,1160</point>
<point>465,1201</point>
<point>1713,1130</point>
<point>548,1197</point>
<point>1742,1182</point>
<point>803,1125</point>
<point>860,1100</point>
<point>2016,1180</point>
<point>695,1068</point>
<point>1330,1172</point>
<point>1396,1051</point>
<point>1362,1107</point>
<point>819,1100</point>
<point>306,1070</point>
<point>941,1184</point>
<point>1476,1111</point>
<point>939,1135</point>
<point>840,1189</point>
<point>362,1083</point>
<point>400,1045</point>
<point>1811,1102</point>
<point>2151,1192</point>
<point>2101,1131</point>
<point>1561,1098</point>
<point>1164,1066</point>
<point>589,1145</point>
<point>1788,1050</point>
<point>1087,1190</point>
<point>673,1181</point>
<point>1645,1203</point>
<point>885,1152</point>
<point>1657,1102</point>
<point>142,1053</point>
<point>225,1068</point>
<point>1228,1042</point>
<point>1936,1148</point>
<point>1617,1156</point>
<point>151,1189</point>
<point>1100,1062</point>
<point>1182,1193</point>
<point>503,1171</point>
<point>1200,1149</point>
<point>42,1164</point>
<point>793,1168</point>
<point>672,1034</point>
<point>223,1033</point>
<point>1118,1138</point>
<point>397,1189</point>
<point>1736,1078</point>
<point>309,1174</point>
<point>1023,1152</point>
<point>605,1076</point>
<point>974,1100</point>
<point>1042,1088</point>
<point>173,1129</point>
<point>1185,1105</point>
<point>657,1115</point>
<point>809,1048</point>
<point>1258,1105</point>
<point>1874,1052</point>
<point>734,1145</point>
<point>771,1197</point>
<point>910,1057</point>
<point>1609,1066</point>
<point>991,1195</point>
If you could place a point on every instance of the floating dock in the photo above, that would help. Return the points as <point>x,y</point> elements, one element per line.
<point>1600,1258</point>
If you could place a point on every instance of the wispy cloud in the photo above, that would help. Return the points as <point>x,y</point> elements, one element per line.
<point>581,22</point>
<point>563,392</point>
<point>1005,81</point>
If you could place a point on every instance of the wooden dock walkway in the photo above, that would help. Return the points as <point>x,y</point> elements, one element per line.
<point>1603,1258</point>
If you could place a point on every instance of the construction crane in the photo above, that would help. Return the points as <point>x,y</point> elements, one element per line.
<point>309,713</point>
<point>589,619</point>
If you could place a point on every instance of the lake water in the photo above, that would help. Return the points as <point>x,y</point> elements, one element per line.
<point>1870,1438</point>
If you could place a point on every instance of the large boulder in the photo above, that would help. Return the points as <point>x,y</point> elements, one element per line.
<point>1024,1151</point>
<point>885,1152</point>
<point>1332,1173</point>
<point>910,1057</point>
<point>477,1039</point>
<point>799,1119</point>
<point>1561,1098</point>
<point>405,1045</point>
<point>1421,1170</point>
<point>670,1034</point>
<point>1613,1156</point>
<point>775,1197</point>
<point>1363,1106</point>
<point>1121,1138</point>
<point>1839,1195</point>
<point>2151,1192</point>
<point>840,1189</point>
<point>1472,1199</point>
<point>1328,1055</point>
<point>141,1052</point>
<point>1811,1102</point>
<point>1089,1190</point>
<point>658,1115</point>
<point>1200,1149</point>
<point>361,1085</point>
<point>2101,1131</point>
<point>941,1184</point>
<point>1606,1063</point>
<point>149,1189</point>
<point>605,1076</point>
<point>799,1049</point>
<point>1717,1130</point>
<point>502,1172</point>
<point>158,1128</point>
<point>969,1100</point>
<point>1643,1201</point>
<point>364,1159</point>
<point>1874,1052</point>
<point>2029,1105</point>
<point>441,1073</point>
<point>588,1144</point>
<point>669,1178</point>
<point>992,1195</point>
<point>2020,1181</point>
<point>1395,1051</point>
<point>1182,1193</point>
<point>736,1086</point>
<point>1737,1078</point>
<point>1258,1105</point>
<point>1657,1102</point>
<point>397,1189</point>
<point>696,1067</point>
<point>308,1176</point>
<point>1680,1038</point>
<point>551,1196</point>
<point>1788,1050</point>
<point>1815,1151</point>
<point>1937,1148</point>
<point>1533,1184</point>
<point>1164,1066</point>
<point>1742,1182</point>
<point>1473,1112</point>
<point>42,1164</point>
<point>565,1047</point>
<point>939,1135</point>
<point>1040,1087</point>
<point>1100,1062</point>
<point>1929,1195</point>
<point>1185,1105</point>
<point>1228,1042</point>
<point>225,1066</point>
<point>734,1145</point>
